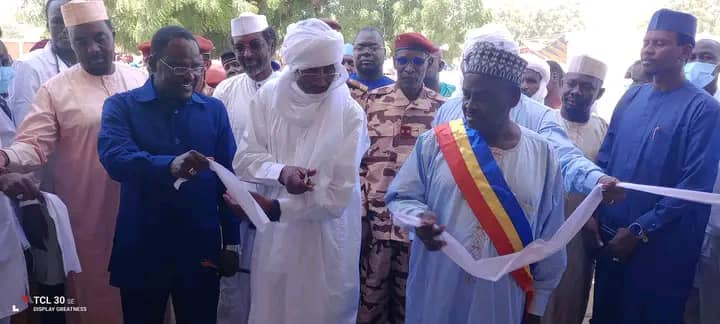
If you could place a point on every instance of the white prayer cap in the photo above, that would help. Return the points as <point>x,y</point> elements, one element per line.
<point>589,66</point>
<point>248,23</point>
<point>538,65</point>
<point>312,43</point>
<point>78,12</point>
<point>496,34</point>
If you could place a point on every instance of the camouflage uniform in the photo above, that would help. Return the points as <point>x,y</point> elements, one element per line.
<point>358,91</point>
<point>394,123</point>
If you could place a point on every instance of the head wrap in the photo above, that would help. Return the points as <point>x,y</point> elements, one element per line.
<point>485,58</point>
<point>348,50</point>
<point>589,66</point>
<point>674,21</point>
<point>309,43</point>
<point>248,23</point>
<point>540,66</point>
<point>78,12</point>
<point>312,43</point>
<point>414,41</point>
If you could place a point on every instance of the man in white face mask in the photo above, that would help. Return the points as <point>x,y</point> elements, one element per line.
<point>703,306</point>
<point>702,69</point>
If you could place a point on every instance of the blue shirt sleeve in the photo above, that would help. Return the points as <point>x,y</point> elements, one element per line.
<point>120,155</point>
<point>579,174</point>
<point>699,167</point>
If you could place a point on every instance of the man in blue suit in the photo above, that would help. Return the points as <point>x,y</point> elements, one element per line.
<point>166,238</point>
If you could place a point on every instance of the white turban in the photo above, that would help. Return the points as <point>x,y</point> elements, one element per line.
<point>540,66</point>
<point>308,44</point>
<point>312,43</point>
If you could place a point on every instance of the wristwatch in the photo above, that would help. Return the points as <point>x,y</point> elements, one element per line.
<point>637,230</point>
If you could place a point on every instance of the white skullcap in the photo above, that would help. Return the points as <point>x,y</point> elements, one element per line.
<point>312,43</point>
<point>589,66</point>
<point>78,12</point>
<point>496,34</point>
<point>248,23</point>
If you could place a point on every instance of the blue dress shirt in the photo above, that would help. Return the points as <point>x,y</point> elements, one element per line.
<point>160,229</point>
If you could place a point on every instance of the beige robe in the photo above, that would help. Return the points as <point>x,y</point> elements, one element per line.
<point>63,125</point>
<point>569,300</point>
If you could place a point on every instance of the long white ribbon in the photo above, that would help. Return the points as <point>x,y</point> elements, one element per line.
<point>488,268</point>
<point>496,267</point>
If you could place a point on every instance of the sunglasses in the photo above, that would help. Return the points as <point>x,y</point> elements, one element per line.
<point>319,76</point>
<point>417,61</point>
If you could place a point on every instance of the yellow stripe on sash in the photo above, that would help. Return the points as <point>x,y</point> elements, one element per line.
<point>458,129</point>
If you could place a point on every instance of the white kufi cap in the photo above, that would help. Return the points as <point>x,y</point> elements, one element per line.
<point>78,12</point>
<point>248,23</point>
<point>587,65</point>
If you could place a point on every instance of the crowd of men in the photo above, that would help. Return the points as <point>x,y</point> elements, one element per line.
<point>109,207</point>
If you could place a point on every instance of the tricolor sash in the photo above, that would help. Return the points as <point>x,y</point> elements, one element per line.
<point>483,186</point>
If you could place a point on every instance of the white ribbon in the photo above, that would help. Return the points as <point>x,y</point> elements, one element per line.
<point>237,191</point>
<point>496,267</point>
<point>487,268</point>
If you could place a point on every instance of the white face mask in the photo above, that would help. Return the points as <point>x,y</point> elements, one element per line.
<point>7,73</point>
<point>700,74</point>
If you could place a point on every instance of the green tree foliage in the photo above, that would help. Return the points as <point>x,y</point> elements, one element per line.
<point>543,23</point>
<point>706,11</point>
<point>443,21</point>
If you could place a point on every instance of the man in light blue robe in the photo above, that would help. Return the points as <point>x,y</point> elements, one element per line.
<point>580,174</point>
<point>438,290</point>
<point>663,134</point>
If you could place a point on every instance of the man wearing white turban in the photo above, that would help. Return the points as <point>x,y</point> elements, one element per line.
<point>535,78</point>
<point>306,137</point>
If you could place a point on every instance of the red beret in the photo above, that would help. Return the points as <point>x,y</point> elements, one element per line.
<point>144,47</point>
<point>332,23</point>
<point>206,46</point>
<point>415,40</point>
<point>215,74</point>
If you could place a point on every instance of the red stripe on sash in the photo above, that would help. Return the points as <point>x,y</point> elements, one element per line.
<point>480,209</point>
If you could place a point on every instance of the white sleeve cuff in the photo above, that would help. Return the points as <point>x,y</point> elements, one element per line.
<point>26,203</point>
<point>290,205</point>
<point>13,159</point>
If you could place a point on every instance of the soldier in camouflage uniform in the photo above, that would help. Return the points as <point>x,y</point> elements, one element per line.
<point>358,91</point>
<point>397,114</point>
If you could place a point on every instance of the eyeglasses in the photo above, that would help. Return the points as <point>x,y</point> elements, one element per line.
<point>360,48</point>
<point>417,61</point>
<point>181,71</point>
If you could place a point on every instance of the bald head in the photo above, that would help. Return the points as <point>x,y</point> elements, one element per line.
<point>706,51</point>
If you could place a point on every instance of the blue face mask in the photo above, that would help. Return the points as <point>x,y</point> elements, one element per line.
<point>7,73</point>
<point>700,74</point>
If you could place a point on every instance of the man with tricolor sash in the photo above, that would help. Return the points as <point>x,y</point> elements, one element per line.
<point>491,184</point>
